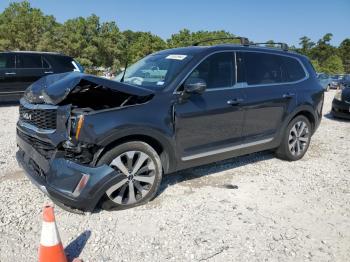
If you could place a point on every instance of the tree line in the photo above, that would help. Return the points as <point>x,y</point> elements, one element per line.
<point>94,43</point>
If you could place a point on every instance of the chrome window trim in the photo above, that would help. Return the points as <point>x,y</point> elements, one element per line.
<point>226,149</point>
<point>12,92</point>
<point>307,75</point>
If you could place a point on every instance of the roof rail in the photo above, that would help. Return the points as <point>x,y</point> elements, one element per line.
<point>283,46</point>
<point>243,40</point>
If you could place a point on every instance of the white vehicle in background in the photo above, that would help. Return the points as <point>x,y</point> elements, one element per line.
<point>325,80</point>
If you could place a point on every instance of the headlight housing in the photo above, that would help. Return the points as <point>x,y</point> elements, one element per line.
<point>76,124</point>
<point>338,95</point>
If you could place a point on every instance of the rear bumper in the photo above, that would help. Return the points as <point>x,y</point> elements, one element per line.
<point>59,177</point>
<point>341,109</point>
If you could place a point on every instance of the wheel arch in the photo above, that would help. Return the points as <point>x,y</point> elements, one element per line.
<point>160,144</point>
<point>309,112</point>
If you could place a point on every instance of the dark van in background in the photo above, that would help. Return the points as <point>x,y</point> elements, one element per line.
<point>19,69</point>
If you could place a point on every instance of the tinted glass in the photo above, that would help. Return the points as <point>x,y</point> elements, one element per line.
<point>7,61</point>
<point>29,61</point>
<point>294,69</point>
<point>217,70</point>
<point>45,63</point>
<point>64,62</point>
<point>259,68</point>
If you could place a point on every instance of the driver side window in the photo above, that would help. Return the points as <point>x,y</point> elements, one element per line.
<point>218,70</point>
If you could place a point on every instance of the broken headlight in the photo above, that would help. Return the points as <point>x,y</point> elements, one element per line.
<point>76,125</point>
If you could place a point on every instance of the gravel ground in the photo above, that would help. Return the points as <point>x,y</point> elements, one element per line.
<point>251,208</point>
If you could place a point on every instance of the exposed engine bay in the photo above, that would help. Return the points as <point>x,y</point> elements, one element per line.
<point>89,96</point>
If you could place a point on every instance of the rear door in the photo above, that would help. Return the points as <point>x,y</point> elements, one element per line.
<point>30,67</point>
<point>269,93</point>
<point>8,83</point>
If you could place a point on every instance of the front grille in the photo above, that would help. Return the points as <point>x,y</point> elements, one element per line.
<point>40,118</point>
<point>45,149</point>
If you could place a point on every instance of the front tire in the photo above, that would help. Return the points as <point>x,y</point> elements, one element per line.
<point>141,170</point>
<point>296,139</point>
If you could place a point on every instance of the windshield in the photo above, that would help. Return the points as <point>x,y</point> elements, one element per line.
<point>154,70</point>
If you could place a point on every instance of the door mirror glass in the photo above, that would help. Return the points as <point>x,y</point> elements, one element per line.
<point>195,86</point>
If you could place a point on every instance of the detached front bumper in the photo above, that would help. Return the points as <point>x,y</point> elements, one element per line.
<point>341,109</point>
<point>60,178</point>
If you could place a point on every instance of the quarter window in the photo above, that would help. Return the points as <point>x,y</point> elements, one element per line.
<point>217,71</point>
<point>293,68</point>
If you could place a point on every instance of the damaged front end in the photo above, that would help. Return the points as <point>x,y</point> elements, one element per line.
<point>52,148</point>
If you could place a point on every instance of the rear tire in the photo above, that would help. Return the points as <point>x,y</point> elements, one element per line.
<point>296,139</point>
<point>141,170</point>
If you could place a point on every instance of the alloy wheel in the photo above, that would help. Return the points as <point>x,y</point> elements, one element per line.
<point>138,171</point>
<point>298,138</point>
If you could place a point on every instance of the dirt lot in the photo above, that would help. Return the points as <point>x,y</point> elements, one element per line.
<point>251,208</point>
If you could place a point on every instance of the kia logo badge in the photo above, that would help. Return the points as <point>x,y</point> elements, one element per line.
<point>27,116</point>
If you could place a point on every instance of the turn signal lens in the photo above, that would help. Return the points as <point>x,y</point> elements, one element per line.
<point>79,125</point>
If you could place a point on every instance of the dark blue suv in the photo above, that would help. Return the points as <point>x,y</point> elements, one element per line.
<point>85,140</point>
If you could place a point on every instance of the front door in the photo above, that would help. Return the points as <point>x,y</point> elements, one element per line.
<point>208,123</point>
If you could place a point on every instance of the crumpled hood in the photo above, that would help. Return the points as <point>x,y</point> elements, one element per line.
<point>53,89</point>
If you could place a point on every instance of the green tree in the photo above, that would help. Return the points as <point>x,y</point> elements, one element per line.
<point>186,38</point>
<point>306,45</point>
<point>323,50</point>
<point>317,66</point>
<point>344,53</point>
<point>333,65</point>
<point>140,44</point>
<point>22,27</point>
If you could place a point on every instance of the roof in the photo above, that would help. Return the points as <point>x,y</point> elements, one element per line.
<point>33,52</point>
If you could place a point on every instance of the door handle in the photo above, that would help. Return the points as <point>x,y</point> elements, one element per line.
<point>48,72</point>
<point>288,95</point>
<point>234,102</point>
<point>10,73</point>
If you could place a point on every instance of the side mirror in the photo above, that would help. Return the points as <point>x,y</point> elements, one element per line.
<point>195,86</point>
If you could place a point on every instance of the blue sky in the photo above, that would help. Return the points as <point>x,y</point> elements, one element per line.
<point>280,20</point>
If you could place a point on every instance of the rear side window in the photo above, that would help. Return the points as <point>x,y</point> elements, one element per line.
<point>261,68</point>
<point>29,61</point>
<point>293,68</point>
<point>7,61</point>
<point>217,71</point>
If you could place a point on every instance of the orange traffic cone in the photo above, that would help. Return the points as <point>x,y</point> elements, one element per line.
<point>51,249</point>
